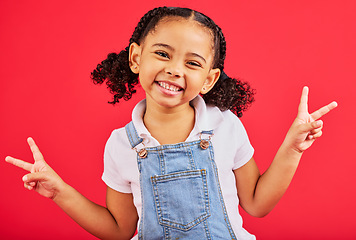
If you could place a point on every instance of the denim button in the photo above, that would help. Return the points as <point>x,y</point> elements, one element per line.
<point>142,153</point>
<point>204,144</point>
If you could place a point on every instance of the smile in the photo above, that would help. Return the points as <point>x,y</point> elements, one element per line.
<point>169,87</point>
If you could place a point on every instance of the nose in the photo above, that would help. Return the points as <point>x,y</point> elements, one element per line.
<point>174,69</point>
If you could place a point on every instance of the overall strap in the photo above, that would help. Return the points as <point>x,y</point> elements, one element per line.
<point>132,135</point>
<point>211,132</point>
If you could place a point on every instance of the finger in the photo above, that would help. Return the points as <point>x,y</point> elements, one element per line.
<point>32,184</point>
<point>308,127</point>
<point>315,131</point>
<point>37,155</point>
<point>29,186</point>
<point>19,163</point>
<point>303,105</point>
<point>315,136</point>
<point>324,110</point>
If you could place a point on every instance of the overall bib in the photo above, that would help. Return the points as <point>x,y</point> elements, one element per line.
<point>180,191</point>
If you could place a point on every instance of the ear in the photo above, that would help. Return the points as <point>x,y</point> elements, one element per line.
<point>134,57</point>
<point>210,81</point>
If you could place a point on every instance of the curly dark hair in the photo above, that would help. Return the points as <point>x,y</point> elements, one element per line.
<point>227,94</point>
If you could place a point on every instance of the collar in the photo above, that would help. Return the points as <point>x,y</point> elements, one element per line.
<point>206,118</point>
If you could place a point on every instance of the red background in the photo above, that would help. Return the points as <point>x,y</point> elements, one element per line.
<point>49,48</point>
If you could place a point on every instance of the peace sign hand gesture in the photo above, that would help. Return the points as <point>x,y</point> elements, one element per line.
<point>42,178</point>
<point>306,128</point>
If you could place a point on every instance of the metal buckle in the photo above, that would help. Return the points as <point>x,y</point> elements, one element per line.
<point>142,153</point>
<point>204,144</point>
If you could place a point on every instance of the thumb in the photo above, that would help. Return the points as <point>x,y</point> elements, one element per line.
<point>307,127</point>
<point>35,177</point>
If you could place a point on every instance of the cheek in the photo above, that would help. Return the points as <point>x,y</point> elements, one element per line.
<point>195,84</point>
<point>198,79</point>
<point>149,68</point>
<point>145,74</point>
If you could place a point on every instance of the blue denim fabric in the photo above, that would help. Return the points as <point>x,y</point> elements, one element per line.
<point>180,190</point>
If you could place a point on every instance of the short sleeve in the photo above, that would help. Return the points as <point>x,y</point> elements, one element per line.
<point>244,149</point>
<point>113,173</point>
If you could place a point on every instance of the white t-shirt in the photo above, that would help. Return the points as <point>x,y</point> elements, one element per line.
<point>232,149</point>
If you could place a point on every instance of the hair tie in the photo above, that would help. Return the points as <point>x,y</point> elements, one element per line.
<point>223,76</point>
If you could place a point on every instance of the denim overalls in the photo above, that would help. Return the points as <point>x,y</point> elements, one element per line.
<point>180,191</point>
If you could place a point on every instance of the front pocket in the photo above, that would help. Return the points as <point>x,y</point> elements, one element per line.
<point>181,198</point>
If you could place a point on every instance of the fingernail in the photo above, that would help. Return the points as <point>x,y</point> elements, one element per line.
<point>24,178</point>
<point>318,124</point>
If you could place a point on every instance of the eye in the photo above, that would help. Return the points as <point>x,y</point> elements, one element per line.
<point>162,54</point>
<point>195,64</point>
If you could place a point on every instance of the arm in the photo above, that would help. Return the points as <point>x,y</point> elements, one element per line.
<point>258,193</point>
<point>117,221</point>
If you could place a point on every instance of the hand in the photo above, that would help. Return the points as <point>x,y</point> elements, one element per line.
<point>43,179</point>
<point>306,128</point>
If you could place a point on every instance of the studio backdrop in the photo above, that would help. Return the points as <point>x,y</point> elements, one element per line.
<point>49,48</point>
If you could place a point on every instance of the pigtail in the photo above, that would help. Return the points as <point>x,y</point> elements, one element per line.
<point>230,94</point>
<point>119,78</point>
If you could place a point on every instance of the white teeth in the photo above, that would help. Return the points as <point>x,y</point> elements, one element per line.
<point>169,87</point>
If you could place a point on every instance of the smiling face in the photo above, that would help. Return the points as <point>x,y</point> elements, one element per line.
<point>174,62</point>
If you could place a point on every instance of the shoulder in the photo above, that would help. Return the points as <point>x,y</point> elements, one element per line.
<point>228,120</point>
<point>232,133</point>
<point>118,141</point>
<point>118,153</point>
<point>209,117</point>
<point>232,142</point>
<point>117,135</point>
<point>232,119</point>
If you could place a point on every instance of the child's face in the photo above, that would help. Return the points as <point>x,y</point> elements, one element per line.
<point>174,62</point>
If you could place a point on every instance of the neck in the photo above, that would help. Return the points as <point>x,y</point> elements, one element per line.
<point>169,125</point>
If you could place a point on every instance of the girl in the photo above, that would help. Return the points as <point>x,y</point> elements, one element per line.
<point>184,163</point>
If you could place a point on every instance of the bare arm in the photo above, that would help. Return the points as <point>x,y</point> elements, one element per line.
<point>260,193</point>
<point>117,221</point>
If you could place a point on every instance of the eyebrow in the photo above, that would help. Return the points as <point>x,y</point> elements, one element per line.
<point>163,45</point>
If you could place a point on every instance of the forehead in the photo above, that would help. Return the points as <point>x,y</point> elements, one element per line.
<point>180,30</point>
